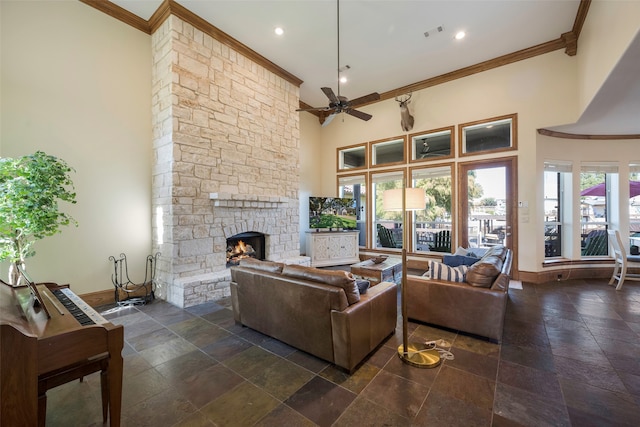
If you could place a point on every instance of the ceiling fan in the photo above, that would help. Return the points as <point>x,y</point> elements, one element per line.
<point>341,104</point>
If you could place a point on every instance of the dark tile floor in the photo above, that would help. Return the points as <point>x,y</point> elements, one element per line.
<point>570,356</point>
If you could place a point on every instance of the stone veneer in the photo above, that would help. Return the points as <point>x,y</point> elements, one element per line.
<point>226,147</point>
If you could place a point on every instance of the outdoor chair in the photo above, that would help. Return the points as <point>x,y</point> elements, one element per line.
<point>386,238</point>
<point>441,241</point>
<point>622,261</point>
<point>595,244</point>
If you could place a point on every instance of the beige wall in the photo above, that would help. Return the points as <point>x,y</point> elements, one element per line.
<point>608,30</point>
<point>310,170</point>
<point>76,84</point>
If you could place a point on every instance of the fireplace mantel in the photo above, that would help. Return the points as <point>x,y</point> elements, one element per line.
<point>229,200</point>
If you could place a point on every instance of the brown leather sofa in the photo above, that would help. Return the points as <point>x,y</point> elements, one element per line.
<point>476,306</point>
<point>318,311</point>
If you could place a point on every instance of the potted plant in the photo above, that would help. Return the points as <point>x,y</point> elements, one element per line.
<point>30,189</point>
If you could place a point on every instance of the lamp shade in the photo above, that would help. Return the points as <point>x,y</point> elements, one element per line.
<point>415,199</point>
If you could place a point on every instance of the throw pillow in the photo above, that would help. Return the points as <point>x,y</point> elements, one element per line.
<point>461,251</point>
<point>456,260</point>
<point>363,285</point>
<point>340,278</point>
<point>440,271</point>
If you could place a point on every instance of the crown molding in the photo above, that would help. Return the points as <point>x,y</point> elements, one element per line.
<point>556,134</point>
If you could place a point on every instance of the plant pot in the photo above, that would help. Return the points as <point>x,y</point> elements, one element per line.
<point>15,278</point>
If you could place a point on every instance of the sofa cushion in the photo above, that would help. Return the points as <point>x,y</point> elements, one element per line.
<point>456,260</point>
<point>268,266</point>
<point>484,272</point>
<point>343,279</point>
<point>440,271</point>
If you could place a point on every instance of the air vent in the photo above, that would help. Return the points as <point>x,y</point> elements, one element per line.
<point>434,31</point>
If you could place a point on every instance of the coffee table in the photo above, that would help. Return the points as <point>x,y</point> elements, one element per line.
<point>388,271</point>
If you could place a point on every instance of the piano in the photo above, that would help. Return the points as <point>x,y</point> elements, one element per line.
<point>46,344</point>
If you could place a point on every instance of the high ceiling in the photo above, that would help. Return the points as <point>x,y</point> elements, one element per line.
<point>383,42</point>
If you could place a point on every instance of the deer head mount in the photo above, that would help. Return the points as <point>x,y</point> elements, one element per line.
<point>406,119</point>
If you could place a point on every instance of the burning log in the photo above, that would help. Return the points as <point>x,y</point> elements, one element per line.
<point>239,251</point>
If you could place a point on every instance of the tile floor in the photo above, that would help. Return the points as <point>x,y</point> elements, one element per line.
<point>570,356</point>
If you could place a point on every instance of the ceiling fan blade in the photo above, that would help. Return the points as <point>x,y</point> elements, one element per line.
<point>365,99</point>
<point>358,114</point>
<point>314,109</point>
<point>332,96</point>
<point>328,119</point>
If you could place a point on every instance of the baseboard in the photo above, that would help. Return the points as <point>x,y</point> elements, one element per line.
<point>565,274</point>
<point>99,298</point>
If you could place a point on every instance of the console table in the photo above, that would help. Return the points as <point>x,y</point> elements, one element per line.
<point>332,247</point>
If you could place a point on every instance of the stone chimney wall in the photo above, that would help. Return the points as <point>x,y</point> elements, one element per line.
<point>226,147</point>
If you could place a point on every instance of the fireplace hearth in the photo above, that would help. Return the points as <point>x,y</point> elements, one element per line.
<point>245,245</point>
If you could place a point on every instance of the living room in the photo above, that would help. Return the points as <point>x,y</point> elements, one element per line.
<point>78,84</point>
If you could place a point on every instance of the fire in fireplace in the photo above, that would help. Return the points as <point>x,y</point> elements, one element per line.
<point>245,245</point>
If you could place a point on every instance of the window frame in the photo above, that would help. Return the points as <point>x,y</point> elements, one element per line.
<point>340,157</point>
<point>401,140</point>
<point>414,240</point>
<point>513,145</point>
<point>411,144</point>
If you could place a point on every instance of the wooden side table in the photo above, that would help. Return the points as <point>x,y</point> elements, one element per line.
<point>388,271</point>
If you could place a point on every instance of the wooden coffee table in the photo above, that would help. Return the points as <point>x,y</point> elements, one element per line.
<point>388,271</point>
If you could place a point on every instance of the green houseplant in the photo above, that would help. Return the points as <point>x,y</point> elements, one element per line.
<point>30,189</point>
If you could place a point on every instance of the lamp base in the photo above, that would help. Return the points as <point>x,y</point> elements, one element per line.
<point>419,356</point>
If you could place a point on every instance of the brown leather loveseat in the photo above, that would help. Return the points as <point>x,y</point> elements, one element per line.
<point>317,311</point>
<point>476,305</point>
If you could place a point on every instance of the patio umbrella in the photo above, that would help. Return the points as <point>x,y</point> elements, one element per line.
<point>599,189</point>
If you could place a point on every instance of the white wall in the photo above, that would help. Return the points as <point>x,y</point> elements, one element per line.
<point>310,170</point>
<point>76,84</point>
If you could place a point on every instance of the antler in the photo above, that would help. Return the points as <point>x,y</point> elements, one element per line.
<point>404,101</point>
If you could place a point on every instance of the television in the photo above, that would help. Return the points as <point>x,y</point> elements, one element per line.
<point>332,212</point>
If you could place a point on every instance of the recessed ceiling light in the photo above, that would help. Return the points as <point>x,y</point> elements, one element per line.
<point>460,35</point>
<point>343,79</point>
<point>279,31</point>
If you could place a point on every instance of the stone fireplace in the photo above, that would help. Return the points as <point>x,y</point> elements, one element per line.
<point>226,146</point>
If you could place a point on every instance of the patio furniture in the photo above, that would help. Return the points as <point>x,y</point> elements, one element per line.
<point>386,238</point>
<point>441,241</point>
<point>595,243</point>
<point>623,261</point>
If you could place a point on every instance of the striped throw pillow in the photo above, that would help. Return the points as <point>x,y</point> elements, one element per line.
<point>440,271</point>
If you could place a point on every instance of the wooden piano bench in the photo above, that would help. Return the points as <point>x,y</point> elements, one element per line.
<point>70,373</point>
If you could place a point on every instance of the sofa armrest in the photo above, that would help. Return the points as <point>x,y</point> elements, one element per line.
<point>456,305</point>
<point>361,327</point>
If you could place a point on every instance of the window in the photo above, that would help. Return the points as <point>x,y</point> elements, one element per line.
<point>557,175</point>
<point>387,152</point>
<point>634,208</point>
<point>432,145</point>
<point>497,134</point>
<point>597,184</point>
<point>355,187</point>
<point>387,225</point>
<point>354,157</point>
<point>432,230</point>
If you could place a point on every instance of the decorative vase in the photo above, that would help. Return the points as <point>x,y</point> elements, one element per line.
<point>15,278</point>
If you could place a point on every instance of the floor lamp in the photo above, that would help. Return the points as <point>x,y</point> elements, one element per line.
<point>407,200</point>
